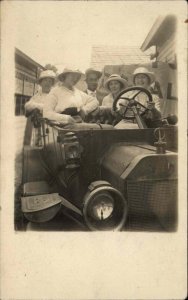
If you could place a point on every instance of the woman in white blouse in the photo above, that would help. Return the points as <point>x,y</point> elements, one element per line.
<point>66,96</point>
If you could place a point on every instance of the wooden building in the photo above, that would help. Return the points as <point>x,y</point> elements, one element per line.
<point>25,82</point>
<point>162,37</point>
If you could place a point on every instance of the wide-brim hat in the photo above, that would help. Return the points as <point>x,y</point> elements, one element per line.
<point>62,75</point>
<point>91,70</point>
<point>145,71</point>
<point>46,74</point>
<point>115,77</point>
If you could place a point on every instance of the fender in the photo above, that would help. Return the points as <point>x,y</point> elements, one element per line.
<point>33,165</point>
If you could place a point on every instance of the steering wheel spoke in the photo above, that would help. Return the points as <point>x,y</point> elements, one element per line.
<point>121,104</point>
<point>125,98</point>
<point>134,96</point>
<point>140,104</point>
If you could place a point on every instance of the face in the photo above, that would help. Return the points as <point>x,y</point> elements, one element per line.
<point>92,81</point>
<point>142,80</point>
<point>114,86</point>
<point>46,84</point>
<point>71,79</point>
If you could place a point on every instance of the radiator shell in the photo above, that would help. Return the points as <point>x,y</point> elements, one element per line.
<point>146,179</point>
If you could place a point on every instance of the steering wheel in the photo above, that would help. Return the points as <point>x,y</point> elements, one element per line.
<point>126,104</point>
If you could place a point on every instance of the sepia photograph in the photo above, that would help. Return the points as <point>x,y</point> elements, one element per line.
<point>97,134</point>
<point>97,115</point>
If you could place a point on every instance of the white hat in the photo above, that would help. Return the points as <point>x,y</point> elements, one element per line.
<point>115,77</point>
<point>143,70</point>
<point>61,76</point>
<point>46,74</point>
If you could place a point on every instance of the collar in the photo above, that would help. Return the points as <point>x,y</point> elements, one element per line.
<point>40,93</point>
<point>91,92</point>
<point>70,91</point>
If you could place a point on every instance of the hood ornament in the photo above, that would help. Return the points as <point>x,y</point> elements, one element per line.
<point>159,134</point>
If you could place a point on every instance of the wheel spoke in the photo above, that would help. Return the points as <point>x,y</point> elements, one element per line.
<point>125,98</point>
<point>140,104</point>
<point>136,95</point>
<point>120,104</point>
<point>125,111</point>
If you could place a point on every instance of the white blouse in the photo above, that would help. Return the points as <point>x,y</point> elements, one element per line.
<point>37,101</point>
<point>108,100</point>
<point>61,98</point>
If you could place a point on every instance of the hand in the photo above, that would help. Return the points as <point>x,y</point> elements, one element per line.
<point>71,111</point>
<point>148,114</point>
<point>95,112</point>
<point>70,120</point>
<point>33,112</point>
<point>82,114</point>
<point>61,123</point>
<point>150,105</point>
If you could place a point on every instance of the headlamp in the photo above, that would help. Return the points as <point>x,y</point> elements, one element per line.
<point>104,207</point>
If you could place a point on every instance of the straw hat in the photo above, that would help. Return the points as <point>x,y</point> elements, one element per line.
<point>62,75</point>
<point>46,74</point>
<point>91,70</point>
<point>115,77</point>
<point>145,71</point>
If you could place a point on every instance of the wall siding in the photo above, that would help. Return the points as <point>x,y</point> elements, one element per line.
<point>20,123</point>
<point>167,51</point>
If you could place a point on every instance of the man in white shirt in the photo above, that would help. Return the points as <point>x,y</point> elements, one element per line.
<point>65,101</point>
<point>46,81</point>
<point>92,79</point>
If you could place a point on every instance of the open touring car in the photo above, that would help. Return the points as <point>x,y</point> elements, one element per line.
<point>97,176</point>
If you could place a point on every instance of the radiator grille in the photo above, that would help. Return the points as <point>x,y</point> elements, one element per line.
<point>153,199</point>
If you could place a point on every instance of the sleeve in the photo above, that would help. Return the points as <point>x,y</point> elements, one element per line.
<point>49,109</point>
<point>32,104</point>
<point>89,103</point>
<point>156,100</point>
<point>104,101</point>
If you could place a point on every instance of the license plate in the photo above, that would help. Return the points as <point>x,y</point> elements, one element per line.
<point>39,202</point>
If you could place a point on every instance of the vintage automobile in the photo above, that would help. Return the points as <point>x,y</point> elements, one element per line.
<point>97,176</point>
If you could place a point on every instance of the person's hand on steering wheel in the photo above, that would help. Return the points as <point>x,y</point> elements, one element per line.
<point>152,113</point>
<point>150,105</point>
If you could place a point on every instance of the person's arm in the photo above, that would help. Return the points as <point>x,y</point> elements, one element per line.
<point>33,104</point>
<point>156,100</point>
<point>89,103</point>
<point>49,110</point>
<point>152,116</point>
